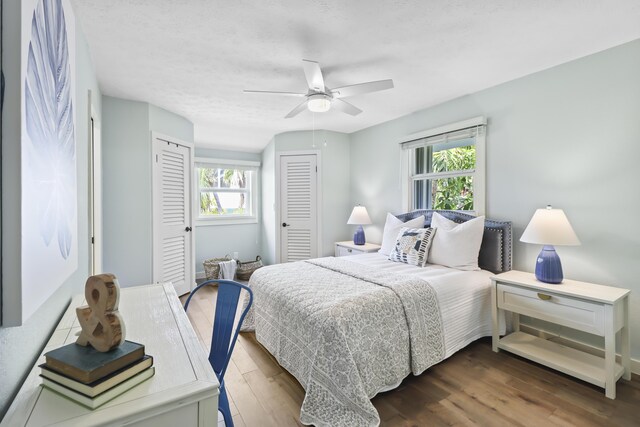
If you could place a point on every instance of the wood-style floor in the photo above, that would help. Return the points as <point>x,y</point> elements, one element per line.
<point>474,387</point>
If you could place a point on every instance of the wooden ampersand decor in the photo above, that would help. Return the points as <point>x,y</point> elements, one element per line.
<point>102,325</point>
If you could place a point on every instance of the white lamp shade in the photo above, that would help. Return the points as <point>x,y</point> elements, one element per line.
<point>359,216</point>
<point>549,227</point>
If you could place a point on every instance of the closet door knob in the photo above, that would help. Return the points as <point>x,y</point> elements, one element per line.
<point>284,224</point>
<point>188,229</point>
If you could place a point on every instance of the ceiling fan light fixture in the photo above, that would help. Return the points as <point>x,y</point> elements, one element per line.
<point>319,103</point>
<point>319,98</point>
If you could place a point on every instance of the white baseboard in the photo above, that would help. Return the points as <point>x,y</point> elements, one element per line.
<point>587,348</point>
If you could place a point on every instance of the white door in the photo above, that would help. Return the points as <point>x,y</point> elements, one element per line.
<point>298,207</point>
<point>172,232</point>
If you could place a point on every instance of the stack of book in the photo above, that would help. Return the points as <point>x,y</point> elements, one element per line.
<point>92,378</point>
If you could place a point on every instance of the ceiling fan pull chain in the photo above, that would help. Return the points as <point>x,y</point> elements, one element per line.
<point>313,130</point>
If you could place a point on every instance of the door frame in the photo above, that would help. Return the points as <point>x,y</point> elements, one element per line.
<point>95,188</point>
<point>155,193</point>
<point>279,155</point>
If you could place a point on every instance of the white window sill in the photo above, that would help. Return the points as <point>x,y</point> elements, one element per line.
<point>225,221</point>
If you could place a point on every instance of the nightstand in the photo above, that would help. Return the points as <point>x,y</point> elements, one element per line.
<point>596,309</point>
<point>349,248</point>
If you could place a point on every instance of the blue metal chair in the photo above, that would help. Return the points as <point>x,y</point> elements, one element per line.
<point>222,341</point>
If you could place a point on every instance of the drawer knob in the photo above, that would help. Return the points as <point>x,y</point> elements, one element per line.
<point>349,250</point>
<point>544,296</point>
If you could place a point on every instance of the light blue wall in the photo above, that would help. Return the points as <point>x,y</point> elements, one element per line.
<point>127,185</point>
<point>335,196</point>
<point>126,181</point>
<point>20,346</point>
<point>170,124</point>
<point>269,222</point>
<point>213,241</point>
<point>568,136</point>
<point>375,172</point>
<point>336,202</point>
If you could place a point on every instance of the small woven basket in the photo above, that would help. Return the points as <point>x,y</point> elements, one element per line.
<point>246,269</point>
<point>212,267</point>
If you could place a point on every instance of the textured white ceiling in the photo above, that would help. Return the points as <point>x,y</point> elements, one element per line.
<point>194,57</point>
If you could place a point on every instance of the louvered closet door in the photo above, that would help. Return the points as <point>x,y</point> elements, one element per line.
<point>172,260</point>
<point>298,208</point>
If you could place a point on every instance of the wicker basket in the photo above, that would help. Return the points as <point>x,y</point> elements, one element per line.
<point>246,269</point>
<point>212,267</point>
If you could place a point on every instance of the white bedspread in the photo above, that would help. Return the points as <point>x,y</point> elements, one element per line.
<point>464,297</point>
<point>336,325</point>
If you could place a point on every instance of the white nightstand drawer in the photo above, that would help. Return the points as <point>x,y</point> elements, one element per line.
<point>342,251</point>
<point>575,313</point>
<point>349,248</point>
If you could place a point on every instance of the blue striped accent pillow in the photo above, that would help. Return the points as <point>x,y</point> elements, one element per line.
<point>412,246</point>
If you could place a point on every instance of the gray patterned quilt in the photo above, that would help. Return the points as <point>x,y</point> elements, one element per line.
<point>346,332</point>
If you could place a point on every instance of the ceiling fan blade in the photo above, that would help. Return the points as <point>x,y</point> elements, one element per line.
<point>313,73</point>
<point>345,107</point>
<point>344,91</point>
<point>300,108</point>
<point>270,92</point>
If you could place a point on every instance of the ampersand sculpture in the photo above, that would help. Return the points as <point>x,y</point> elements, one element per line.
<point>102,325</point>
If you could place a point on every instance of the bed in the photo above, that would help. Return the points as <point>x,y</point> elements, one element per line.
<point>349,328</point>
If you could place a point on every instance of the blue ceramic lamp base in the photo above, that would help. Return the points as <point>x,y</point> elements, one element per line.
<point>548,266</point>
<point>358,237</point>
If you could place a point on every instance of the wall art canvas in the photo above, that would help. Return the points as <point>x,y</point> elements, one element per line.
<point>49,182</point>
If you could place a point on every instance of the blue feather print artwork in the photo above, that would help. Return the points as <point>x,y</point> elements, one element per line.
<point>50,126</point>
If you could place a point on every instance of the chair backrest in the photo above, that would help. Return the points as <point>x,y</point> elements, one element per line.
<point>224,335</point>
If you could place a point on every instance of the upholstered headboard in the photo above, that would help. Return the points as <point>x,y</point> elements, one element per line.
<point>495,252</point>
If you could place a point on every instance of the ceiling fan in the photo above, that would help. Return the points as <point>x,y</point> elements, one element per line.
<point>319,98</point>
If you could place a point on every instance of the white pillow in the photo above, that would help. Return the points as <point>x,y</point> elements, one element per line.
<point>392,228</point>
<point>456,245</point>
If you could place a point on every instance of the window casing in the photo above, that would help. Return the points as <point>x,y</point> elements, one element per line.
<point>226,192</point>
<point>443,168</point>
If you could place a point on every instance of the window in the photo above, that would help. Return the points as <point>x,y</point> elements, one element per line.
<point>445,168</point>
<point>227,191</point>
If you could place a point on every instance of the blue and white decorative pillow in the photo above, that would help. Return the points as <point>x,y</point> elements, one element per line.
<point>412,246</point>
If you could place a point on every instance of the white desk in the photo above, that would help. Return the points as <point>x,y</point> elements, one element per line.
<point>183,392</point>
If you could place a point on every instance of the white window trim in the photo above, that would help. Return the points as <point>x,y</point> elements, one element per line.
<point>228,220</point>
<point>478,174</point>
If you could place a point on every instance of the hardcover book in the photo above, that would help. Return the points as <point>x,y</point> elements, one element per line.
<point>86,365</point>
<point>100,386</point>
<point>102,398</point>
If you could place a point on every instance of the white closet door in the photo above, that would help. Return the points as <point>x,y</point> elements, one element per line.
<point>172,231</point>
<point>298,207</point>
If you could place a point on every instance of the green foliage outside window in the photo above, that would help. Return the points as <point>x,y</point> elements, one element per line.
<point>208,204</point>
<point>453,193</point>
<point>213,178</point>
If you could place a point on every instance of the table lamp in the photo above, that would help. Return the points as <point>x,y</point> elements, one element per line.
<point>549,227</point>
<point>359,217</point>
